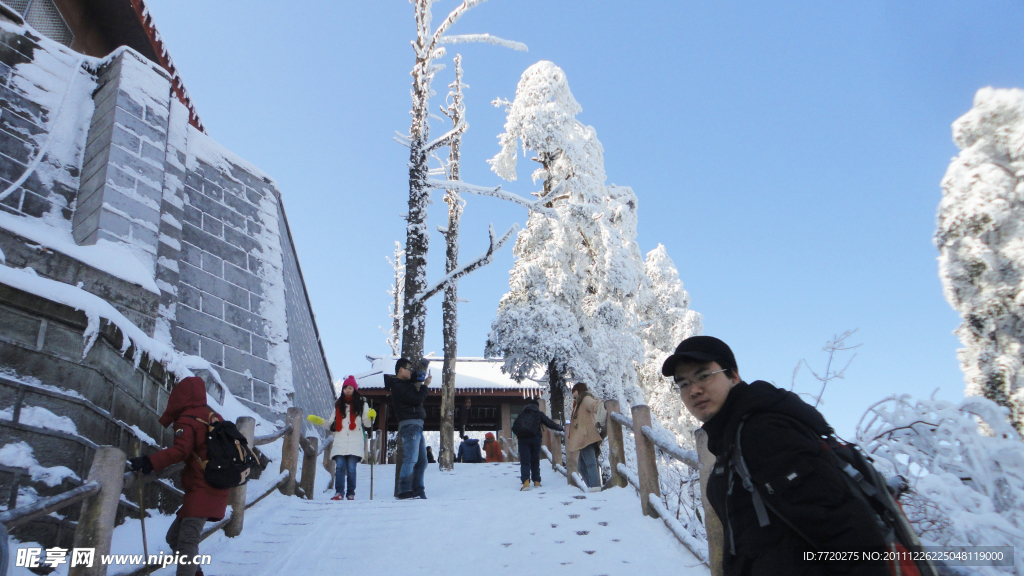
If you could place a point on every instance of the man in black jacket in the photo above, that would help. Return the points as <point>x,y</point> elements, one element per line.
<point>527,431</point>
<point>407,395</point>
<point>807,504</point>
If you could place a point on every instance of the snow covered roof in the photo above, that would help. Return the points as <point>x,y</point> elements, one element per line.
<point>470,374</point>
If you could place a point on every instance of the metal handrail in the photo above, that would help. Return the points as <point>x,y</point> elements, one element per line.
<point>44,506</point>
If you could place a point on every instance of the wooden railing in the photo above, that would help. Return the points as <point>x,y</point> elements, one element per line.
<point>645,480</point>
<point>100,496</point>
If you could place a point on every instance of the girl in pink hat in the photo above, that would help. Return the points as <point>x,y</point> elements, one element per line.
<point>352,416</point>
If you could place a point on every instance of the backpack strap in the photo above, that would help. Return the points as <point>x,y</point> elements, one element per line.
<point>737,463</point>
<point>213,419</point>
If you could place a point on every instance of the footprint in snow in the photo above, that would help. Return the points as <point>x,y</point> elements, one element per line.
<point>580,497</point>
<point>566,503</point>
<point>554,525</point>
<point>506,545</point>
<point>590,551</point>
<point>582,532</point>
<point>574,516</point>
<point>602,523</point>
<point>596,508</point>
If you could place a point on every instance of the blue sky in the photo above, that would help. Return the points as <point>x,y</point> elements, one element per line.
<point>787,154</point>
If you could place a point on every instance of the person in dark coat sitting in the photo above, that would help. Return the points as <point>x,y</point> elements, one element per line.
<point>188,412</point>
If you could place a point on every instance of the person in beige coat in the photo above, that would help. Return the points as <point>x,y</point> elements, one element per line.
<point>583,436</point>
<point>352,415</point>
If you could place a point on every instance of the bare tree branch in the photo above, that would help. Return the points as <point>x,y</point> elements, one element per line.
<point>447,138</point>
<point>452,18</point>
<point>485,38</point>
<point>483,260</point>
<point>537,206</point>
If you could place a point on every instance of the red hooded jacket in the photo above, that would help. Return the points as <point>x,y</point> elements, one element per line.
<point>186,403</point>
<point>492,449</point>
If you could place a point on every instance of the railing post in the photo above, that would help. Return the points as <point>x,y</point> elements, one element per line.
<point>556,449</point>
<point>309,466</point>
<point>545,433</point>
<point>646,460</point>
<point>290,450</point>
<point>572,465</point>
<point>329,466</point>
<point>616,449</point>
<point>715,531</point>
<point>96,521</point>
<point>236,498</point>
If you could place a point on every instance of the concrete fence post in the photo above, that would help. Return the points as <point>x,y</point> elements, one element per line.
<point>309,466</point>
<point>616,449</point>
<point>290,450</point>
<point>96,521</point>
<point>236,498</point>
<point>646,460</point>
<point>716,533</point>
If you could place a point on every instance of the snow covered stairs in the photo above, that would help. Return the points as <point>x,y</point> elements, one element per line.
<point>476,521</point>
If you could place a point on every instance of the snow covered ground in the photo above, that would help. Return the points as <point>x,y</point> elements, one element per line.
<point>476,521</point>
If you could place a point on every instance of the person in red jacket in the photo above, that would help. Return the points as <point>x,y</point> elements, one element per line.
<point>492,449</point>
<point>187,410</point>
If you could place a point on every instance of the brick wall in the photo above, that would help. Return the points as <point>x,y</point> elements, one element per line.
<point>122,164</point>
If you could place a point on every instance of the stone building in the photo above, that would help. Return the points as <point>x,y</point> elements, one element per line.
<point>122,221</point>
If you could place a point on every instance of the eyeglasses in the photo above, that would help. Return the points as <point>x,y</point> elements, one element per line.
<point>681,384</point>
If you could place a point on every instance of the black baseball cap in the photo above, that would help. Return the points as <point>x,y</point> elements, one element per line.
<point>701,349</point>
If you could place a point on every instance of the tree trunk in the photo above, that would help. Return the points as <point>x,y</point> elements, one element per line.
<point>450,308</point>
<point>557,393</point>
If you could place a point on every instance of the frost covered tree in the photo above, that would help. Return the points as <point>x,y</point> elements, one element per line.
<point>394,334</point>
<point>456,112</point>
<point>668,320</point>
<point>980,237</point>
<point>429,48</point>
<point>571,304</point>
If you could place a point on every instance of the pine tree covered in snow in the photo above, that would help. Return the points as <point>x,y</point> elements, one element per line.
<point>981,239</point>
<point>578,275</point>
<point>668,321</point>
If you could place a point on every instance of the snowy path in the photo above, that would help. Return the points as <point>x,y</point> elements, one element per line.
<point>475,522</point>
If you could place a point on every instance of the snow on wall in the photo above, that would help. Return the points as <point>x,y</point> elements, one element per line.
<point>99,157</point>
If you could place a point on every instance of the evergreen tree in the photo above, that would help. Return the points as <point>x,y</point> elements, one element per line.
<point>980,237</point>
<point>668,321</point>
<point>577,276</point>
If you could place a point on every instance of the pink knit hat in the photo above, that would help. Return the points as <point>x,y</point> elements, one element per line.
<point>350,381</point>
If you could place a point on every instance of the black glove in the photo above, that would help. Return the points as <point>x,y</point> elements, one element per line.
<point>141,463</point>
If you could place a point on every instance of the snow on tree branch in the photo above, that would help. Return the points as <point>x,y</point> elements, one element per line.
<point>452,18</point>
<point>448,137</point>
<point>483,260</point>
<point>485,38</point>
<point>535,206</point>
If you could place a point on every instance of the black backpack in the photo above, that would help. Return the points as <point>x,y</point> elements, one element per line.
<point>527,424</point>
<point>229,458</point>
<point>860,475</point>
